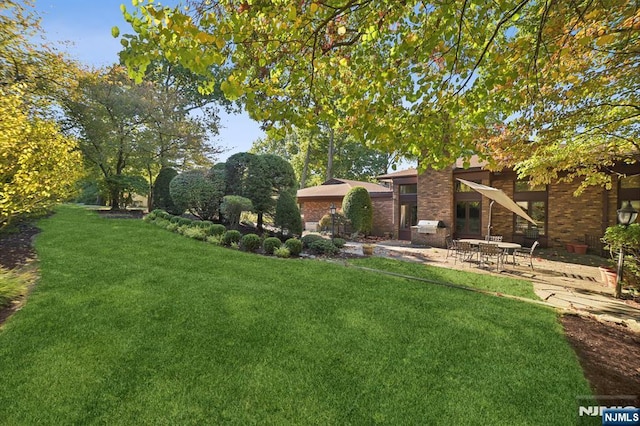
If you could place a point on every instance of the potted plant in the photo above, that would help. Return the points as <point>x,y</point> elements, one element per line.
<point>569,247</point>
<point>367,249</point>
<point>627,238</point>
<point>580,248</point>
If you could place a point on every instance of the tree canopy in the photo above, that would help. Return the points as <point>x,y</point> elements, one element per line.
<point>540,86</point>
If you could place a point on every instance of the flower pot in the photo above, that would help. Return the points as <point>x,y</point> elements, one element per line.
<point>604,271</point>
<point>612,278</point>
<point>367,249</point>
<point>580,248</point>
<point>569,248</point>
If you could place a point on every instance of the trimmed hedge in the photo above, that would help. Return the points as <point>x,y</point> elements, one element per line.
<point>230,237</point>
<point>310,238</point>
<point>270,244</point>
<point>323,247</point>
<point>294,245</point>
<point>250,242</point>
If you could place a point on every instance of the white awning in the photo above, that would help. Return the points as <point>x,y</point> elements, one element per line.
<point>499,197</point>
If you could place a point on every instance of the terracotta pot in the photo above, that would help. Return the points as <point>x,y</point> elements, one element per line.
<point>367,249</point>
<point>580,248</point>
<point>604,274</point>
<point>612,278</point>
<point>570,248</point>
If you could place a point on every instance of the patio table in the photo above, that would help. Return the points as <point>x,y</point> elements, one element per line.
<point>508,247</point>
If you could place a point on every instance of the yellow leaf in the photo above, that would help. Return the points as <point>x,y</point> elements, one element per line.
<point>605,39</point>
<point>342,30</point>
<point>314,7</point>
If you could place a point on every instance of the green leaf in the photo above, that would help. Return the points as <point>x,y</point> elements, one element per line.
<point>115,31</point>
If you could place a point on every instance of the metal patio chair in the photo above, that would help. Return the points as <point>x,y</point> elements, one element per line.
<point>525,253</point>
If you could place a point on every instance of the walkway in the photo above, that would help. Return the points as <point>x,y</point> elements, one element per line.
<point>566,286</point>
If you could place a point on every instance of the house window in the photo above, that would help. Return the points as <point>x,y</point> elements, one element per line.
<point>533,200</point>
<point>461,187</point>
<point>468,219</point>
<point>411,188</point>
<point>408,215</point>
<point>537,210</point>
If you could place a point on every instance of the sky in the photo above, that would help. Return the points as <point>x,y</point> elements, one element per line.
<point>85,28</point>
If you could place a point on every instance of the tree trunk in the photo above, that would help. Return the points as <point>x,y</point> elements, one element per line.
<point>305,167</point>
<point>330,155</point>
<point>260,223</point>
<point>115,199</point>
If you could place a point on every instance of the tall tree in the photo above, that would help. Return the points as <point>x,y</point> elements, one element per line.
<point>437,80</point>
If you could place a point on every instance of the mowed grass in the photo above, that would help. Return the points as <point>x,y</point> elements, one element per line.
<point>504,285</point>
<point>131,324</point>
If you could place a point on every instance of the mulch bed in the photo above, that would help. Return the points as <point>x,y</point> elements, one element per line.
<point>609,353</point>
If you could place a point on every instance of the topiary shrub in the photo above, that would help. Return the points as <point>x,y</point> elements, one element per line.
<point>216,229</point>
<point>230,237</point>
<point>294,245</point>
<point>288,214</point>
<point>161,197</point>
<point>206,224</point>
<point>357,207</point>
<point>270,244</point>
<point>310,238</point>
<point>324,247</point>
<point>339,242</point>
<point>232,207</point>
<point>195,233</point>
<point>250,242</point>
<point>199,192</point>
<point>282,252</point>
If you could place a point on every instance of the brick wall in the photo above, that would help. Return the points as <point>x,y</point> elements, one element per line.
<point>312,211</point>
<point>382,216</point>
<point>435,196</point>
<point>569,218</point>
<point>501,217</point>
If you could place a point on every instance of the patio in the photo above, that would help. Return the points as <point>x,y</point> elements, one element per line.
<point>561,284</point>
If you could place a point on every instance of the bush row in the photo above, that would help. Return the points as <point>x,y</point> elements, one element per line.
<point>218,234</point>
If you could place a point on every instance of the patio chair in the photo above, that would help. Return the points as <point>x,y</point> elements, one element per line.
<point>464,251</point>
<point>494,238</point>
<point>525,253</point>
<point>491,251</point>
<point>451,246</point>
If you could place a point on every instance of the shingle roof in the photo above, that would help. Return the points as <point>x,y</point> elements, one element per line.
<point>399,174</point>
<point>339,188</point>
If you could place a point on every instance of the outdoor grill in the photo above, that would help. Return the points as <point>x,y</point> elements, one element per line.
<point>428,226</point>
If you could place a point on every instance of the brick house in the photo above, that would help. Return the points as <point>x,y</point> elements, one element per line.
<point>561,218</point>
<point>315,202</point>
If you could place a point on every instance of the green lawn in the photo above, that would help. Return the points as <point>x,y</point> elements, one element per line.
<point>131,324</point>
<point>504,285</point>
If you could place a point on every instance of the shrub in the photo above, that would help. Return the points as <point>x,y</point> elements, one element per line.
<point>294,245</point>
<point>282,252</point>
<point>205,224</point>
<point>161,197</point>
<point>196,233</point>
<point>150,217</point>
<point>628,238</point>
<point>214,239</point>
<point>308,239</point>
<point>184,221</point>
<point>11,286</point>
<point>339,242</point>
<point>175,219</point>
<point>250,242</point>
<point>270,244</point>
<point>357,207</point>
<point>232,208</point>
<point>288,214</point>
<point>172,226</point>
<point>340,222</point>
<point>217,229</point>
<point>198,192</point>
<point>230,237</point>
<point>323,247</point>
<point>182,229</point>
